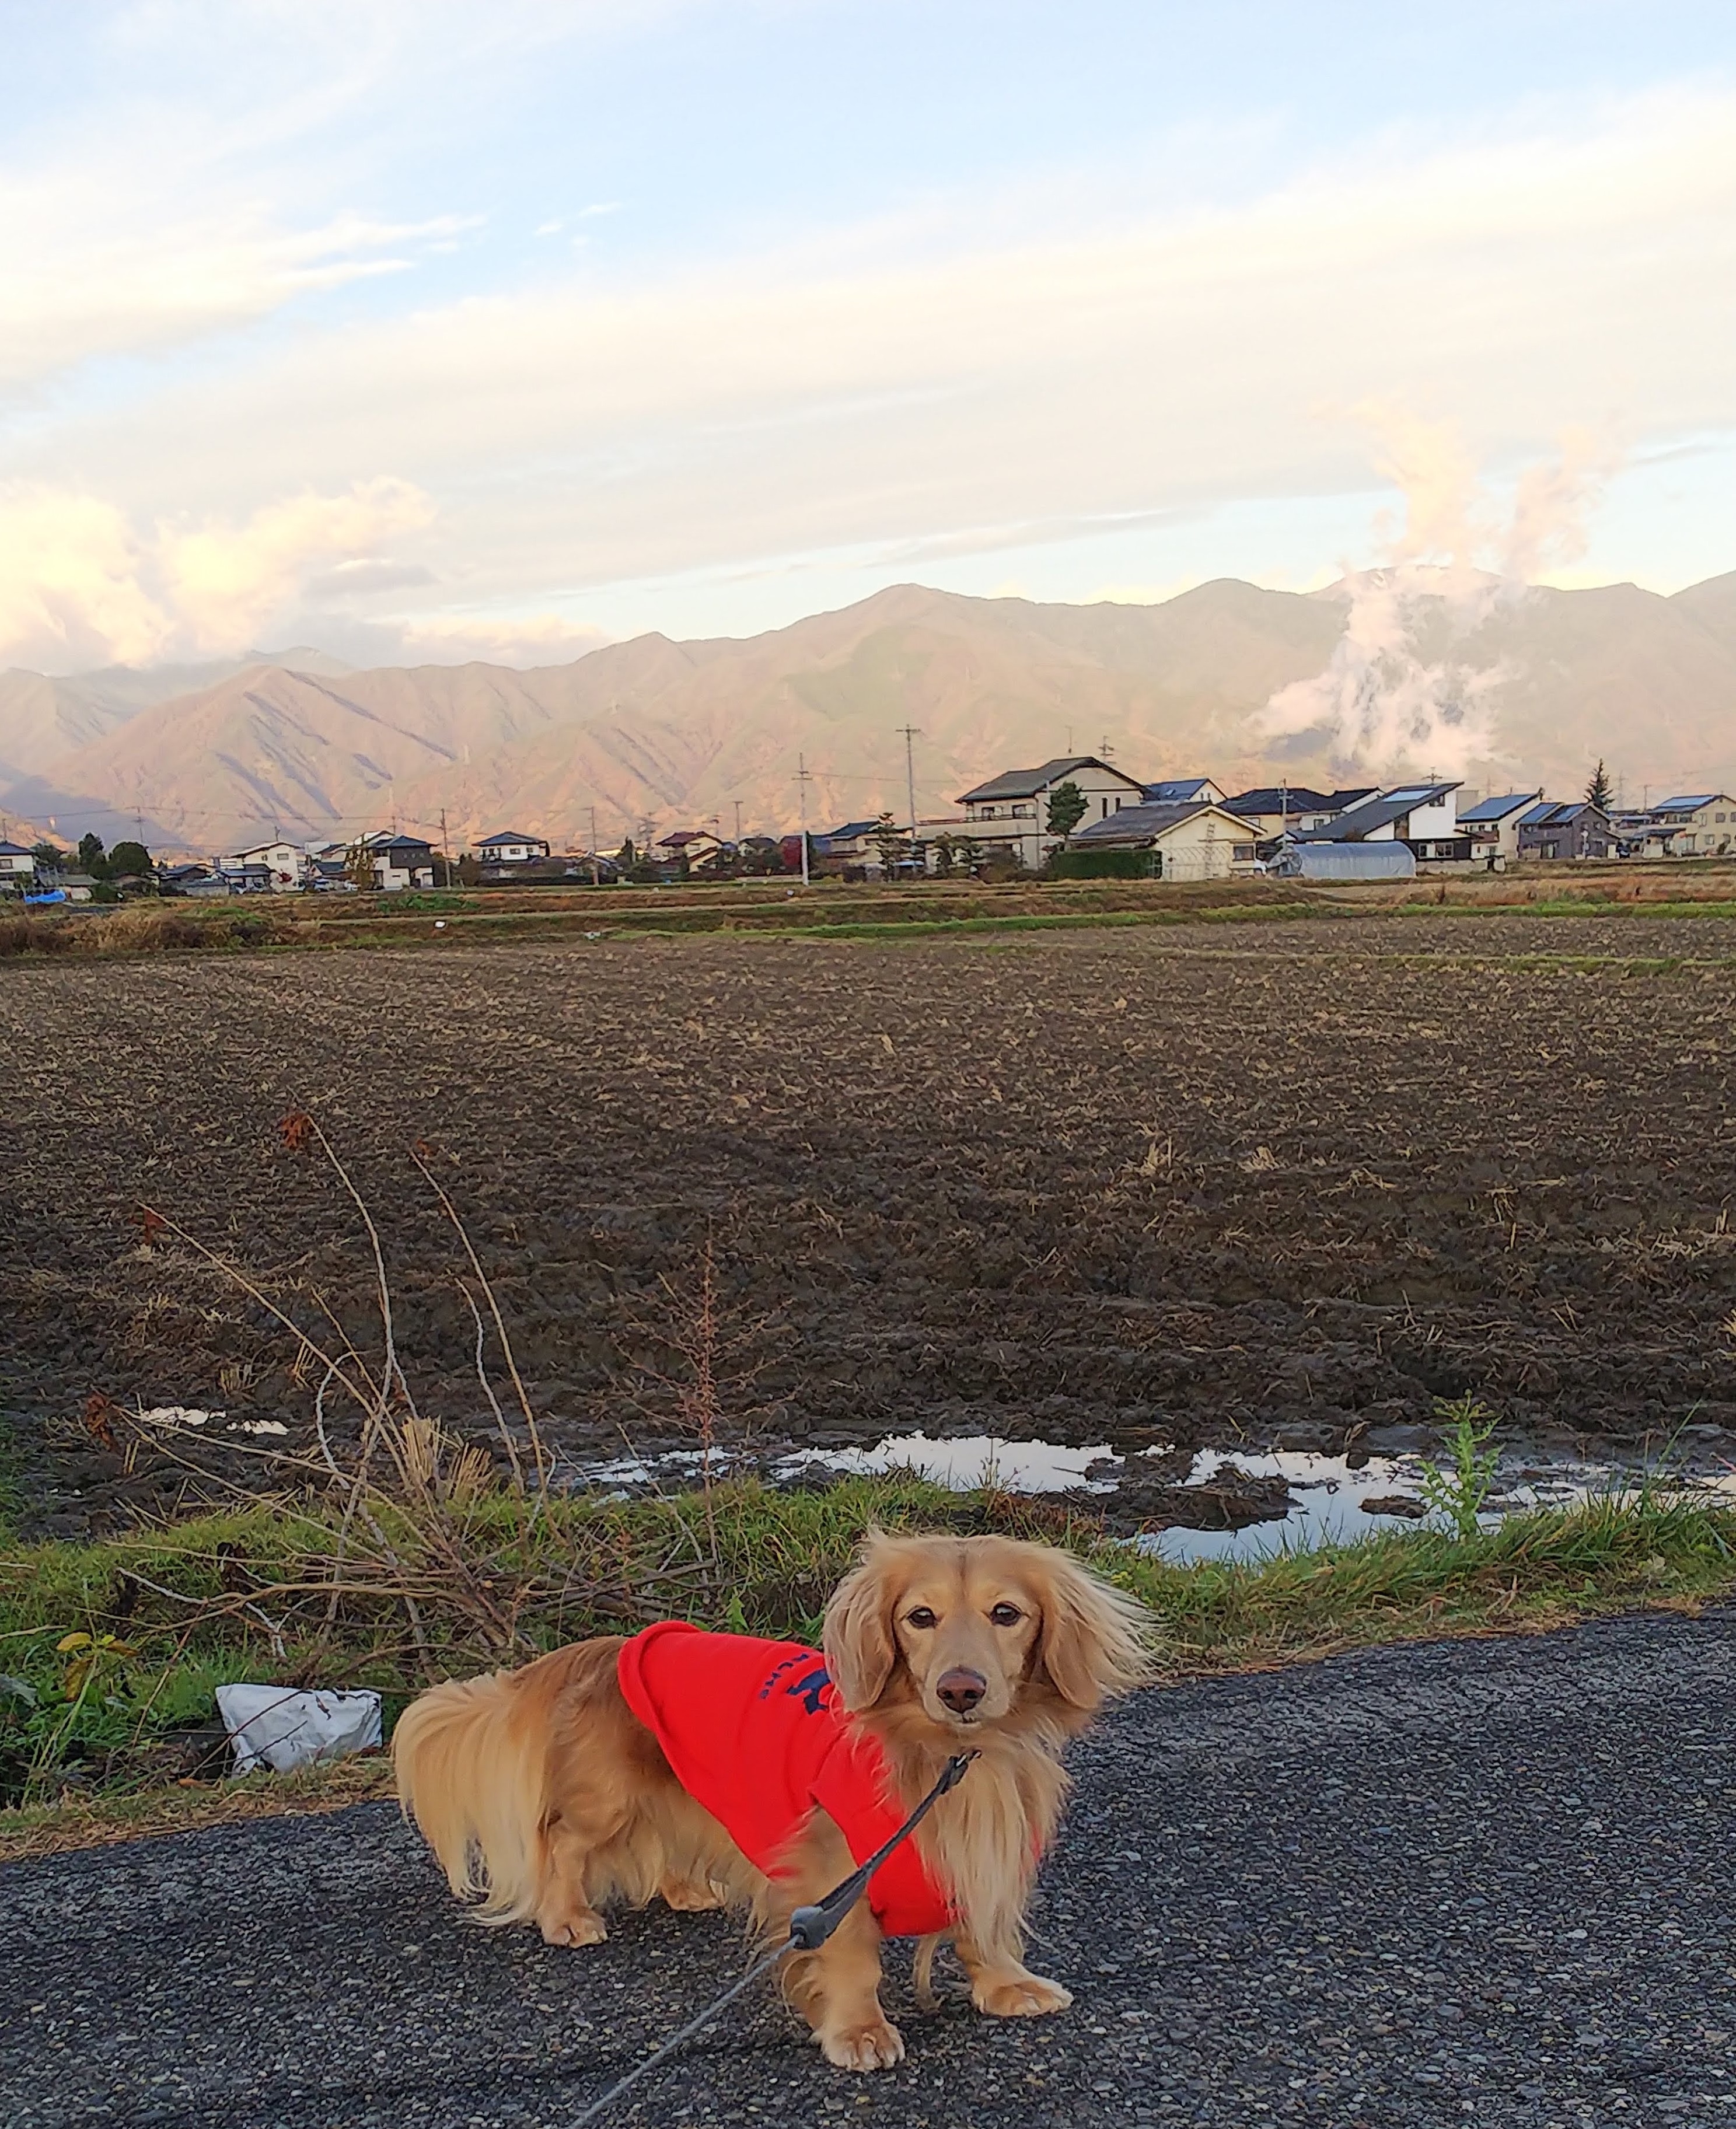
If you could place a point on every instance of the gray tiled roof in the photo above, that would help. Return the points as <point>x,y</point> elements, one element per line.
<point>1139,824</point>
<point>1026,783</point>
<point>1376,813</point>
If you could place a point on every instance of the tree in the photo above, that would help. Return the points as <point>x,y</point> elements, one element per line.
<point>1598,792</point>
<point>50,856</point>
<point>91,857</point>
<point>358,866</point>
<point>1066,809</point>
<point>129,861</point>
<point>893,846</point>
<point>944,854</point>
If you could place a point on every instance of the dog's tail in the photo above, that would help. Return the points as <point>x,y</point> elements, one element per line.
<point>472,1758</point>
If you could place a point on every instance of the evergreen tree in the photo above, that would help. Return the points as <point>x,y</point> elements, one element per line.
<point>1067,810</point>
<point>92,858</point>
<point>1598,791</point>
<point>129,861</point>
<point>893,846</point>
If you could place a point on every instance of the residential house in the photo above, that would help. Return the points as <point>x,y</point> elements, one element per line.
<point>1284,809</point>
<point>1575,829</point>
<point>1493,825</point>
<point>511,847</point>
<point>196,883</point>
<point>1704,824</point>
<point>1184,791</point>
<point>848,850</point>
<point>1200,841</point>
<point>399,861</point>
<point>17,867</point>
<point>1008,815</point>
<point>286,865</point>
<point>242,878</point>
<point>693,848</point>
<point>78,886</point>
<point>1423,815</point>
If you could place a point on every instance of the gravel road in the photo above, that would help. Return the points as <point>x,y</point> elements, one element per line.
<point>1485,1883</point>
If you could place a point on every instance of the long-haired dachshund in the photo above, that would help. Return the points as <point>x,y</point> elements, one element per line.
<point>714,1770</point>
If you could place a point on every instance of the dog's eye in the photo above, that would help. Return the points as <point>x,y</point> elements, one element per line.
<point>1006,1615</point>
<point>921,1616</point>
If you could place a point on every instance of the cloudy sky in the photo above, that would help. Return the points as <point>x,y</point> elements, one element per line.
<point>431,328</point>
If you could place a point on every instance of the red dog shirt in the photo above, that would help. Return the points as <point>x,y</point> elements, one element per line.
<point>755,1733</point>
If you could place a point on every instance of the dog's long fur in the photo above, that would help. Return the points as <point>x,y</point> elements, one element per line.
<point>544,1797</point>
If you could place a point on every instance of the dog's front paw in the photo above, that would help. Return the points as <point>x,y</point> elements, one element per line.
<point>574,1929</point>
<point>1018,1995</point>
<point>876,2045</point>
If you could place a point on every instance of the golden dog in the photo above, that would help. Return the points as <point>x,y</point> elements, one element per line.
<point>933,1646</point>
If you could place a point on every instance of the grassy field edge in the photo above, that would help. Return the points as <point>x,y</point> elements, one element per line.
<point>775,1554</point>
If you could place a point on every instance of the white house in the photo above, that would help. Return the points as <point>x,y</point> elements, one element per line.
<point>692,847</point>
<point>511,847</point>
<point>399,861</point>
<point>1493,827</point>
<point>287,864</point>
<point>17,865</point>
<point>1423,815</point>
<point>1197,842</point>
<point>1704,824</point>
<point>1008,815</point>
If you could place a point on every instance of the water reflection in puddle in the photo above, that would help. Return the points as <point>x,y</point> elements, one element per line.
<point>1330,1499</point>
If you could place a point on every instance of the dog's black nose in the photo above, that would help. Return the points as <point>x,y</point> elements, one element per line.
<point>961,1690</point>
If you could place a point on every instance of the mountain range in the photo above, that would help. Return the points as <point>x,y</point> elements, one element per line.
<point>655,732</point>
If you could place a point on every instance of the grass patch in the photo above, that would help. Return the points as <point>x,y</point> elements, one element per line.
<point>172,1612</point>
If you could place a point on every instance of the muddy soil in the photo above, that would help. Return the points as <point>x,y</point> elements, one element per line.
<point>1274,1185</point>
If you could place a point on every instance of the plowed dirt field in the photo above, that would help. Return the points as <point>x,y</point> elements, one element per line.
<point>1281,1184</point>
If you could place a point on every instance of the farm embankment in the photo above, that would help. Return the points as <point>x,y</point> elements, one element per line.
<point>831,908</point>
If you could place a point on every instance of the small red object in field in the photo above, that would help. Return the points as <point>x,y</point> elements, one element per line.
<point>297,1129</point>
<point>152,1225</point>
<point>101,1413</point>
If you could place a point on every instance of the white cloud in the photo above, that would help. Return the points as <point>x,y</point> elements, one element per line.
<point>537,639</point>
<point>587,434</point>
<point>80,586</point>
<point>70,592</point>
<point>227,582</point>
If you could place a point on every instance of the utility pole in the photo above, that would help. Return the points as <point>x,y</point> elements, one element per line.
<point>738,824</point>
<point>446,848</point>
<point>596,868</point>
<point>911,732</point>
<point>801,785</point>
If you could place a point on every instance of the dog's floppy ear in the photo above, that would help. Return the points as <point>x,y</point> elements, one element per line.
<point>858,1644</point>
<point>1094,1636</point>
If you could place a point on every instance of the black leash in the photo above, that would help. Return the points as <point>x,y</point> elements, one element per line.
<point>809,1927</point>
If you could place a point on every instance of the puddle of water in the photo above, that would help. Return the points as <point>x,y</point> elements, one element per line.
<point>1328,1509</point>
<point>1329,1496</point>
<point>964,1461</point>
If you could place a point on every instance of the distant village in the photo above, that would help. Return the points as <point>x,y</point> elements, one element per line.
<point>1079,816</point>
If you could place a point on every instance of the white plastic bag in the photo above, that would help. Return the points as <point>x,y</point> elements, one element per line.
<point>277,1727</point>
